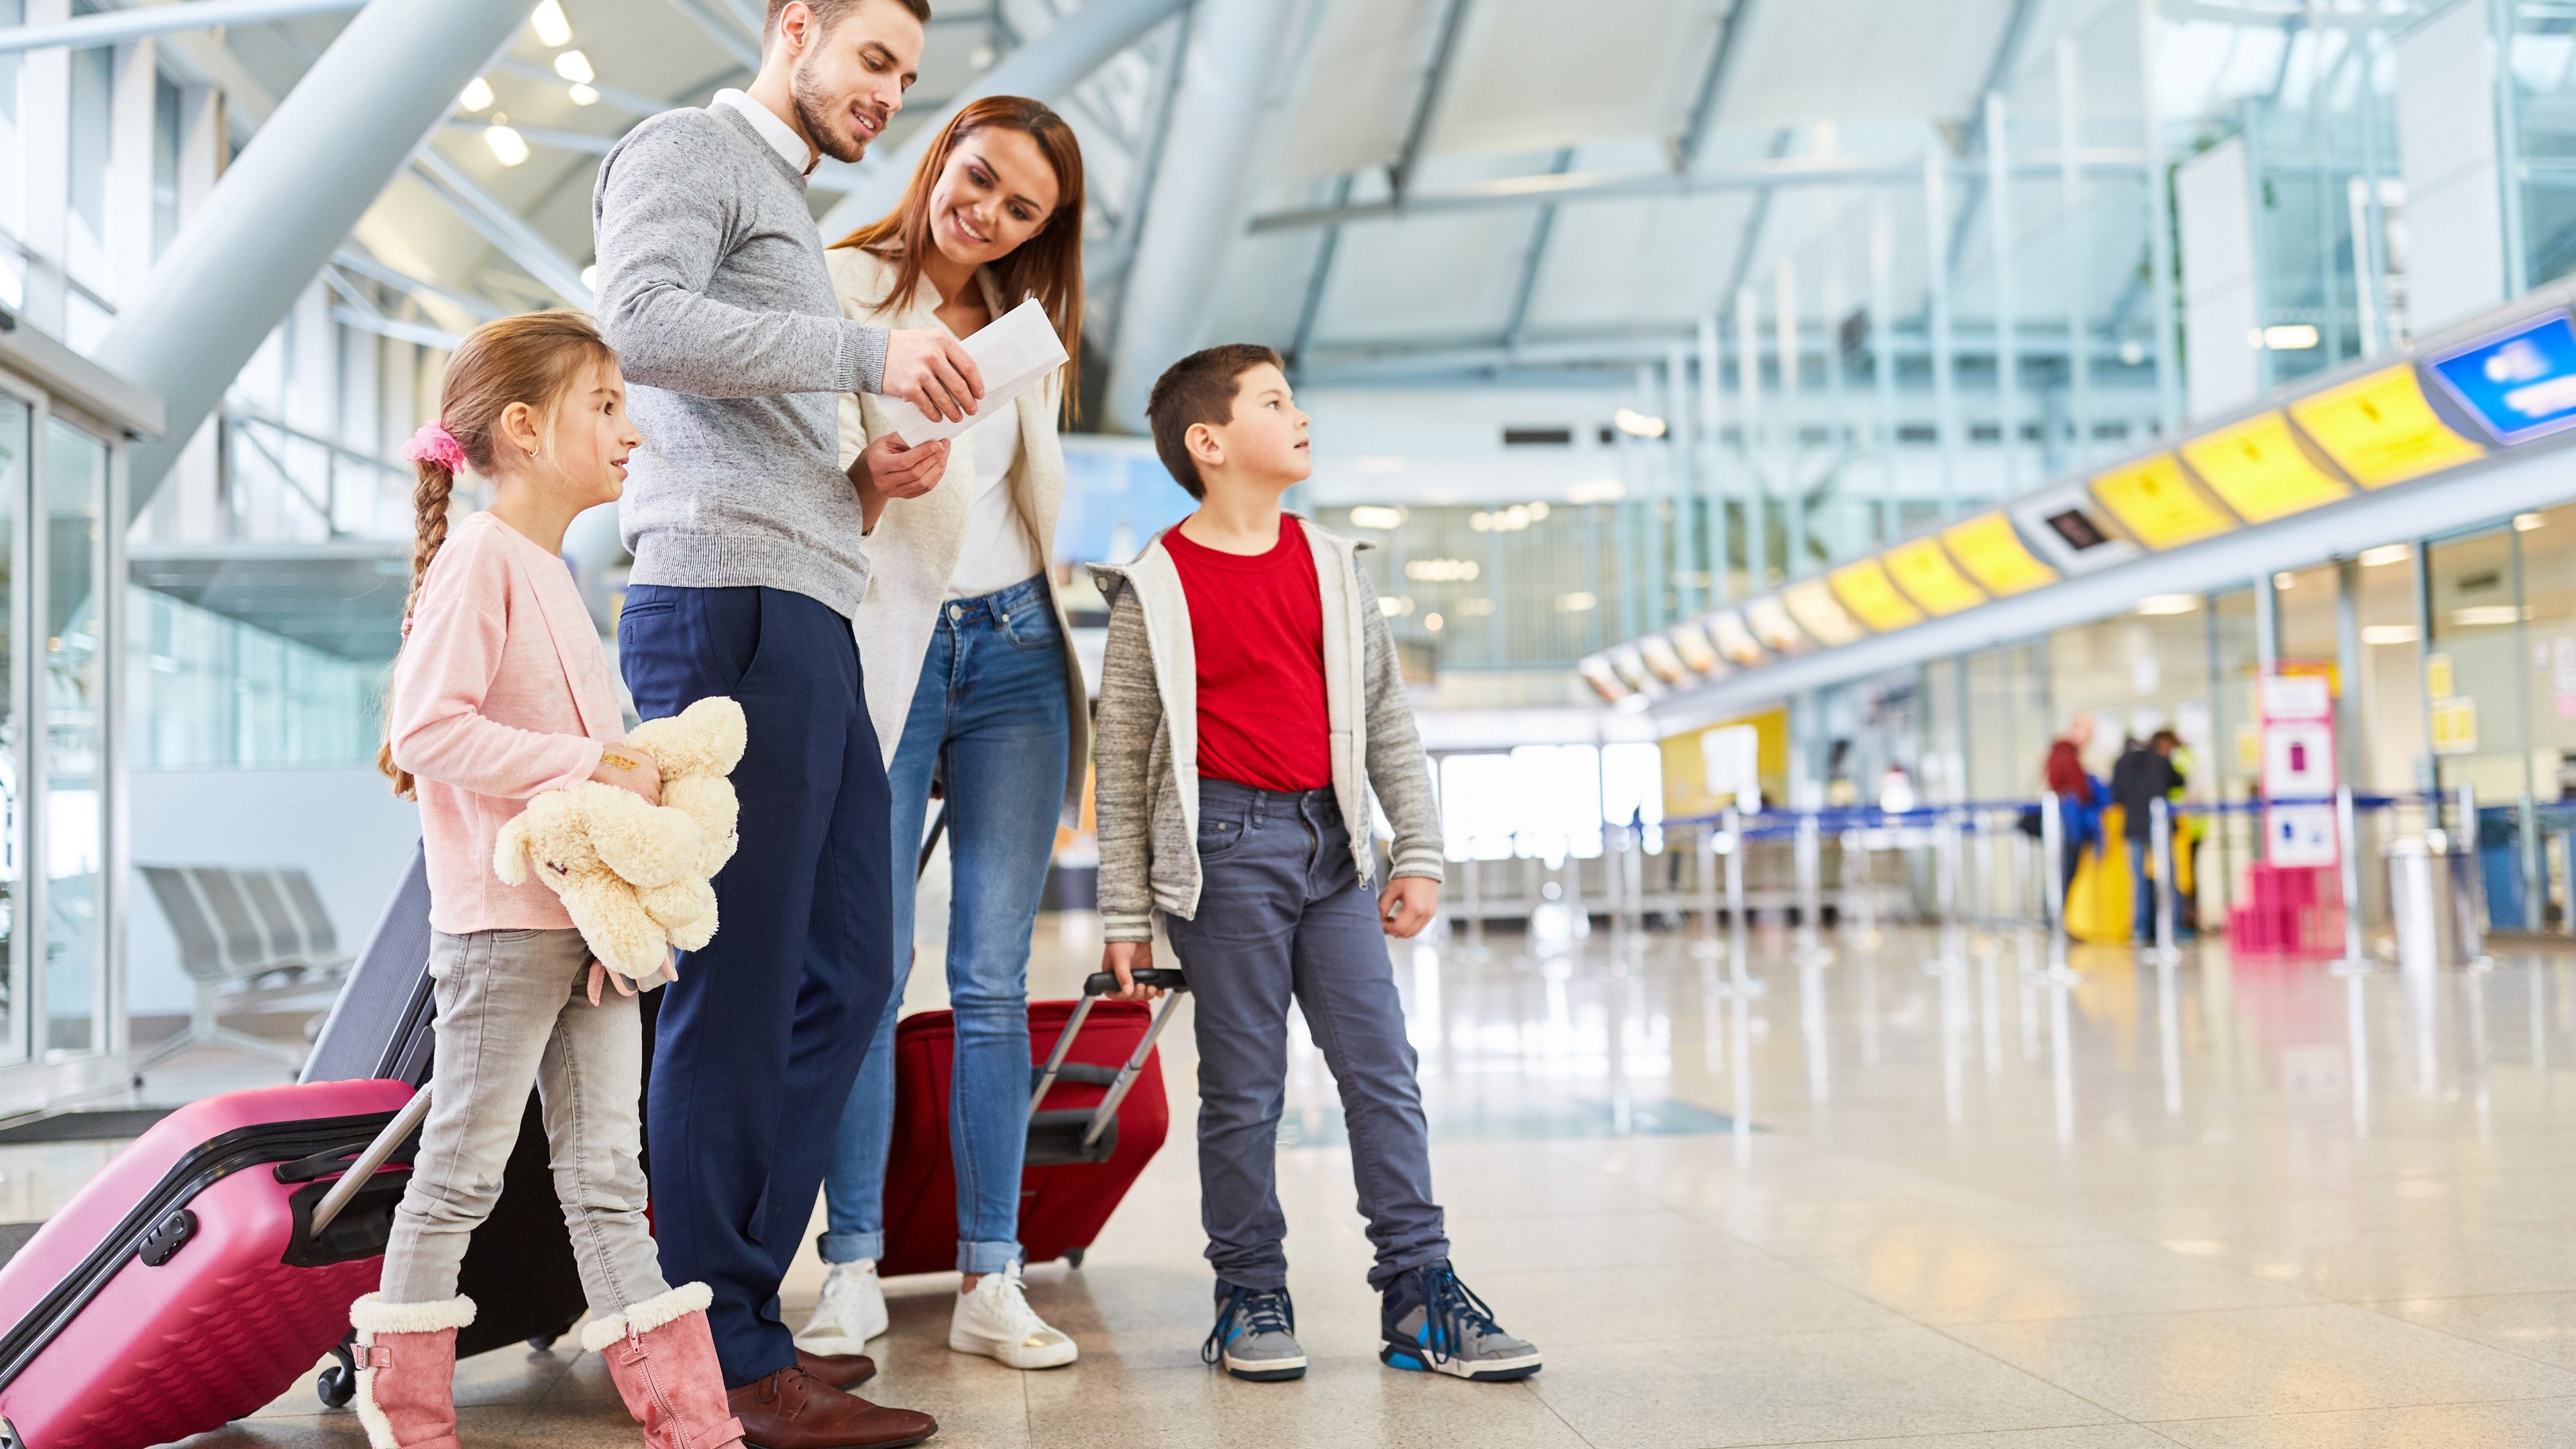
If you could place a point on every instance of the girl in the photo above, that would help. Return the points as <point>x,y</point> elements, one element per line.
<point>502,692</point>
<point>968,664</point>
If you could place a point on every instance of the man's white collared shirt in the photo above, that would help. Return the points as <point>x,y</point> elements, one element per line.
<point>782,138</point>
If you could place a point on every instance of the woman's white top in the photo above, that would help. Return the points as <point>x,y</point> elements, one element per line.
<point>999,551</point>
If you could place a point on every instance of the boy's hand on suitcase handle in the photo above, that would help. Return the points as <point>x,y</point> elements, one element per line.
<point>1409,903</point>
<point>1123,959</point>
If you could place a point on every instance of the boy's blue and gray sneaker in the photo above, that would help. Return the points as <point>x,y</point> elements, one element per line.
<point>1434,1324</point>
<point>1255,1335</point>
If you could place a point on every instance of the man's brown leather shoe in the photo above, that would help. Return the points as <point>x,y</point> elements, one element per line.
<point>792,1409</point>
<point>840,1370</point>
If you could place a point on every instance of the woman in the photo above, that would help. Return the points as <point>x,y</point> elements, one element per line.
<point>971,678</point>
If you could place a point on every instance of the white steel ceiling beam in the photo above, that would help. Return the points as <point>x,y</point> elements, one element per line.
<point>505,229</point>
<point>114,27</point>
<point>288,201</point>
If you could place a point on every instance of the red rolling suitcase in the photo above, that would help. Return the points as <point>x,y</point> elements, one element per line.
<point>186,1284</point>
<point>1097,1116</point>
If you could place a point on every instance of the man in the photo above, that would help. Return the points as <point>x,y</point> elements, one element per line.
<point>746,532</point>
<point>2145,774</point>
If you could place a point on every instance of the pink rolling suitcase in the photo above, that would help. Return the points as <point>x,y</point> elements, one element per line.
<point>184,1286</point>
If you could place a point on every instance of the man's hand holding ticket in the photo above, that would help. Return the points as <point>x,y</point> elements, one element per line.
<point>1015,353</point>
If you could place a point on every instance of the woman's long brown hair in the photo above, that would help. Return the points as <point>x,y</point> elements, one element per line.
<point>1048,266</point>
<point>529,359</point>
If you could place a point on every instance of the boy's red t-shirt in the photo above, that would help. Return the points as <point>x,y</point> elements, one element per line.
<point>1258,621</point>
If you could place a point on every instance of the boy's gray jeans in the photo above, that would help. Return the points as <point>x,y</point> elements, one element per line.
<point>514,1011</point>
<point>1283,911</point>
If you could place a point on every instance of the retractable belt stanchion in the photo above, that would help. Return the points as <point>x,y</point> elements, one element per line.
<point>1472,876</point>
<point>1708,944</point>
<point>1740,979</point>
<point>1945,881</point>
<point>2052,844</point>
<point>2354,962</point>
<point>2160,841</point>
<point>1811,906</point>
<point>1860,912</point>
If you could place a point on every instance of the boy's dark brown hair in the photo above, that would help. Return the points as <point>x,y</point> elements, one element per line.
<point>828,13</point>
<point>1200,388</point>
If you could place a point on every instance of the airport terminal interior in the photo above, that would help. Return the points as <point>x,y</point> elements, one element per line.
<point>1988,585</point>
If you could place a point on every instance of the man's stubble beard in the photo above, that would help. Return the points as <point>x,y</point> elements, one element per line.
<point>818,115</point>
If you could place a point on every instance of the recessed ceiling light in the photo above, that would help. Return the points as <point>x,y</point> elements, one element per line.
<point>507,144</point>
<point>2386,553</point>
<point>583,95</point>
<point>2485,615</point>
<point>574,66</point>
<point>1636,424</point>
<point>1372,515</point>
<point>2155,604</point>
<point>477,95</point>
<point>2388,634</point>
<point>2526,522</point>
<point>550,23</point>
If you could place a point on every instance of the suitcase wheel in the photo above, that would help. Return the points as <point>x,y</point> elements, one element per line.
<point>338,1384</point>
<point>1073,1257</point>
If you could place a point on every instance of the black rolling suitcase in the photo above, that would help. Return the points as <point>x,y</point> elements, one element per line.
<point>519,1268</point>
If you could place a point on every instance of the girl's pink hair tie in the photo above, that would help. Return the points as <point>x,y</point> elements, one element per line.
<point>435,444</point>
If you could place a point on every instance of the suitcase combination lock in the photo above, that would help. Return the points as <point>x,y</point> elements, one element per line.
<point>166,1238</point>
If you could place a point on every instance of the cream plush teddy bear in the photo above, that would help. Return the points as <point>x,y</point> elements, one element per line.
<point>635,877</point>
<point>600,848</point>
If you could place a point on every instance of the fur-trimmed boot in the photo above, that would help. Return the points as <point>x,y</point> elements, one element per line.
<point>406,1356</point>
<point>663,1357</point>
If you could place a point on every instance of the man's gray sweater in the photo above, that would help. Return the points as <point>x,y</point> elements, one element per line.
<point>713,290</point>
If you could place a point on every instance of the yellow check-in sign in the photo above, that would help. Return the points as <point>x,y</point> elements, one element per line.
<point>2258,467</point>
<point>2380,429</point>
<point>1995,556</point>
<point>1812,604</point>
<point>2157,504</point>
<point>1871,595</point>
<point>1923,569</point>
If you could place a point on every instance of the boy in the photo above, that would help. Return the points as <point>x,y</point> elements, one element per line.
<point>1249,700</point>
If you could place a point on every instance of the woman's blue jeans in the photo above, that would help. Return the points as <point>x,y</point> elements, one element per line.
<point>992,700</point>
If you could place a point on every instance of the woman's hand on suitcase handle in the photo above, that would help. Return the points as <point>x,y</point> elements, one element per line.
<point>599,973</point>
<point>1409,903</point>
<point>1123,959</point>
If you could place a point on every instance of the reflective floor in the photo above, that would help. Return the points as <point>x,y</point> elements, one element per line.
<point>1885,1199</point>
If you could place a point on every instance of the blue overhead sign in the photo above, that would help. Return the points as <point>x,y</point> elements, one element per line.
<point>2521,383</point>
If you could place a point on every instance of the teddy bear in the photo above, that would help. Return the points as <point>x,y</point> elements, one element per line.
<point>636,877</point>
<point>697,750</point>
<point>599,848</point>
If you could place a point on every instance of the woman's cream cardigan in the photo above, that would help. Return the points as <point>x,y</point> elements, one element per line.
<point>914,551</point>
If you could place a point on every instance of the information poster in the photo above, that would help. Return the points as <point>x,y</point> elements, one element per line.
<point>1813,605</point>
<point>1995,556</point>
<point>2296,702</point>
<point>1924,570</point>
<point>2380,429</point>
<point>2157,504</point>
<point>2455,727</point>
<point>1872,597</point>
<point>2259,469</point>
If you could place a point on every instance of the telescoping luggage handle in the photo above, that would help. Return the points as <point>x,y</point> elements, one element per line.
<point>406,1122</point>
<point>1101,983</point>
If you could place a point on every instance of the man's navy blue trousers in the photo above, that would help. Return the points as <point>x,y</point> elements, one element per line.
<point>761,1037</point>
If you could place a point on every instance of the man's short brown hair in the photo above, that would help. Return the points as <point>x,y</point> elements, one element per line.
<point>830,13</point>
<point>1200,388</point>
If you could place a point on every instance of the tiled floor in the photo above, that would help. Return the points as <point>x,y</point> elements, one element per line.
<point>2224,1204</point>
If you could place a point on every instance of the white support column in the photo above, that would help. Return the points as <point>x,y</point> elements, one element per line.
<point>129,167</point>
<point>1712,441</point>
<point>320,160</point>
<point>1785,435</point>
<point>44,130</point>
<point>1748,415</point>
<point>188,507</point>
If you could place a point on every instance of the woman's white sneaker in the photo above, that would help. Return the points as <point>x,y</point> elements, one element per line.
<point>995,1320</point>
<point>851,1311</point>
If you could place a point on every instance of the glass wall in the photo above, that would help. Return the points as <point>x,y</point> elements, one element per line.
<point>73,750</point>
